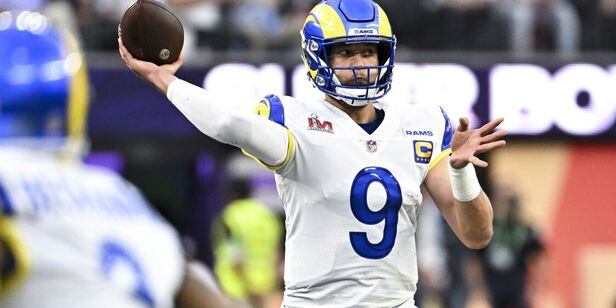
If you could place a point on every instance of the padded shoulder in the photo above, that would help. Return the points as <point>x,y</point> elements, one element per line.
<point>271,107</point>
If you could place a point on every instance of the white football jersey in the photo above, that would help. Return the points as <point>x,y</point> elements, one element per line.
<point>82,236</point>
<point>351,201</point>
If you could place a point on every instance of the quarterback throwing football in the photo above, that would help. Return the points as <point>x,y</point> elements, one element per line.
<point>349,169</point>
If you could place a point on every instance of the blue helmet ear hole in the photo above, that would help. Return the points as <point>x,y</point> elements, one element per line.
<point>312,50</point>
<point>314,46</point>
<point>320,81</point>
<point>314,65</point>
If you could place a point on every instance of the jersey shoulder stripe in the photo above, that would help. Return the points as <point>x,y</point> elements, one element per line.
<point>271,107</point>
<point>448,132</point>
<point>445,141</point>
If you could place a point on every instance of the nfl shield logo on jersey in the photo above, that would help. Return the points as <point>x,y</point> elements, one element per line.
<point>371,146</point>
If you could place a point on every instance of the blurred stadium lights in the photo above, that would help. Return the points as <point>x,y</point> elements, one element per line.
<point>32,21</point>
<point>6,18</point>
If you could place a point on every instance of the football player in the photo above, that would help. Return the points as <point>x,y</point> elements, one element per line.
<point>73,235</point>
<point>349,167</point>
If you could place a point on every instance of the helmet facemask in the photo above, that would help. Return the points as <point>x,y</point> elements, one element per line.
<point>316,54</point>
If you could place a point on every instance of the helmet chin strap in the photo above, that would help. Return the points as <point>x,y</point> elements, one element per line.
<point>350,101</point>
<point>355,92</point>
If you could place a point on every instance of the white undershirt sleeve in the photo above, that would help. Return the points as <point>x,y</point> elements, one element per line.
<point>212,115</point>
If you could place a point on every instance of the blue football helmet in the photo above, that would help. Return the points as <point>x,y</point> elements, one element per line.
<point>43,83</point>
<point>346,22</point>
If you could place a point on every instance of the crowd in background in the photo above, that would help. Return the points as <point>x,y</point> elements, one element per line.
<point>509,272</point>
<point>519,26</point>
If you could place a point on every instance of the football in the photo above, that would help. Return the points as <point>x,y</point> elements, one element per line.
<point>151,32</point>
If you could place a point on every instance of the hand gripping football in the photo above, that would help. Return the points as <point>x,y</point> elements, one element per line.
<point>151,32</point>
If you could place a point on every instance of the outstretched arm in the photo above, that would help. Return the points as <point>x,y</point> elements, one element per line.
<point>454,187</point>
<point>211,114</point>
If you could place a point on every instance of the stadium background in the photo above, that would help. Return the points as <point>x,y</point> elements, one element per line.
<point>564,172</point>
<point>566,180</point>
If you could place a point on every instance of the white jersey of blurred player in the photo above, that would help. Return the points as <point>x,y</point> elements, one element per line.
<point>371,242</point>
<point>81,236</point>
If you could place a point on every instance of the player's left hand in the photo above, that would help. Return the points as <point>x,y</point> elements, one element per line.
<point>467,143</point>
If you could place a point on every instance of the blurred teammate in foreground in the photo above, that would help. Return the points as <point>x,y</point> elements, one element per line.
<point>348,167</point>
<point>73,235</point>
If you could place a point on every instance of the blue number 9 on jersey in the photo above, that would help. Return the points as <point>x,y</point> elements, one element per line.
<point>361,211</point>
